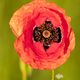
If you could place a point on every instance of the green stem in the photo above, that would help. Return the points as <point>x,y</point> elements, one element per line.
<point>52,74</point>
<point>23,70</point>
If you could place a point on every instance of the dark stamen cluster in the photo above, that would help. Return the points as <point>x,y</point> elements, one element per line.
<point>46,34</point>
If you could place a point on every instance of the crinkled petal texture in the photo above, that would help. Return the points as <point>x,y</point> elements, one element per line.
<point>34,14</point>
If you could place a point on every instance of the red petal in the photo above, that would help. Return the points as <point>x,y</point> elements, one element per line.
<point>32,53</point>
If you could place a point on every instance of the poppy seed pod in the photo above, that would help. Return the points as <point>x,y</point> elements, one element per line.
<point>44,34</point>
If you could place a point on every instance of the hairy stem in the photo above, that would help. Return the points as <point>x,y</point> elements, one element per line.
<point>23,70</point>
<point>52,74</point>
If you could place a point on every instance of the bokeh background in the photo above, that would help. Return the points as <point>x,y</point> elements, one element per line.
<point>9,60</point>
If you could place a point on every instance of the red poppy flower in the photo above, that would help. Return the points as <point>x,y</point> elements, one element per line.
<point>44,35</point>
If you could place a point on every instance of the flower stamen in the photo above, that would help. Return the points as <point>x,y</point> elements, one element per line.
<point>46,34</point>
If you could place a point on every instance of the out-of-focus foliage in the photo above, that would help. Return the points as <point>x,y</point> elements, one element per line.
<point>9,61</point>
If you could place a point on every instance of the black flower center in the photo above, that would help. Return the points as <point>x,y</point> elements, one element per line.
<point>47,34</point>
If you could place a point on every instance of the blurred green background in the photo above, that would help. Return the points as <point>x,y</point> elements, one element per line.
<point>9,60</point>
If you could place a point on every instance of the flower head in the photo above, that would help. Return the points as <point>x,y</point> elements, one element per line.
<point>44,35</point>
